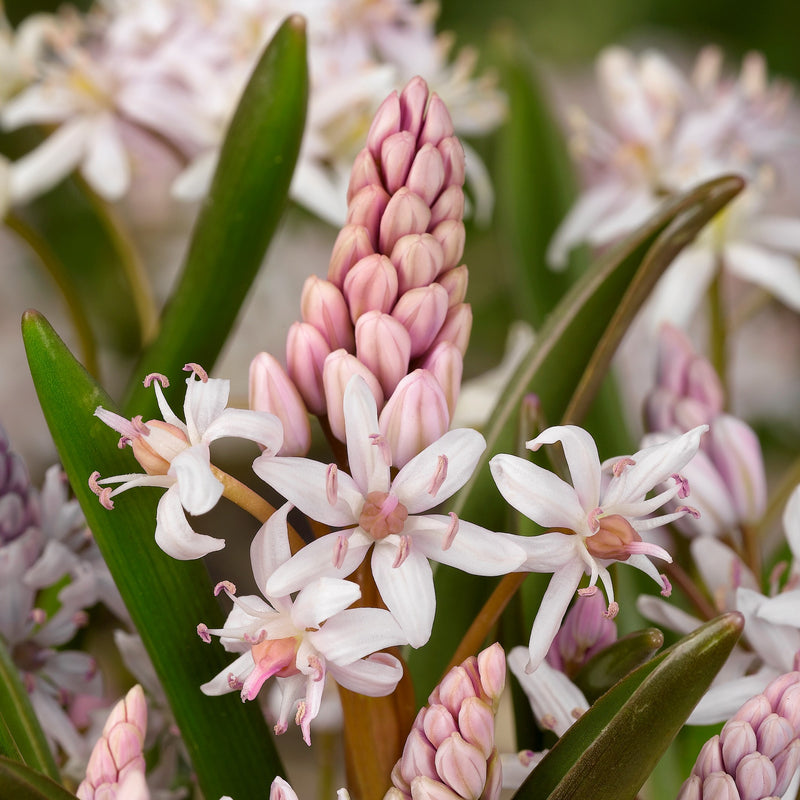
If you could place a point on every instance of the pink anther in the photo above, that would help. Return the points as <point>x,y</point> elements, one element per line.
<point>226,586</point>
<point>683,483</point>
<point>340,550</point>
<point>620,465</point>
<point>667,590</point>
<point>379,440</point>
<point>692,512</point>
<point>588,591</point>
<point>156,376</point>
<point>202,632</point>
<point>105,498</point>
<point>332,484</point>
<point>452,530</point>
<point>197,369</point>
<point>93,484</point>
<point>439,476</point>
<point>403,549</point>
<point>613,610</point>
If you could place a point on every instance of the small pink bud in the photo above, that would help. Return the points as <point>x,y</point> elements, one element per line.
<point>422,311</point>
<point>703,384</point>
<point>454,161</point>
<point>384,346</point>
<point>786,765</point>
<point>413,100</point>
<point>364,173</point>
<point>418,258</point>
<point>351,245</point>
<point>272,390</point>
<point>446,364</point>
<point>692,789</point>
<point>306,351</point>
<point>451,236</point>
<point>492,672</point>
<point>773,734</point>
<point>426,177</point>
<point>476,725</point>
<point>755,777</point>
<point>437,125</point>
<point>462,766</point>
<point>418,757</point>
<point>720,786</point>
<point>371,285</point>
<point>367,208</point>
<point>397,155</point>
<point>776,689</point>
<point>675,351</point>
<point>456,327</point>
<point>709,759</point>
<point>450,205</point>
<point>455,282</point>
<point>405,213</point>
<point>415,416</point>
<point>437,724</point>
<point>385,122</point>
<point>339,367</point>
<point>659,410</point>
<point>494,778</point>
<point>688,413</point>
<point>737,739</point>
<point>323,306</point>
<point>424,788</point>
<point>756,709</point>
<point>454,689</point>
<point>789,704</point>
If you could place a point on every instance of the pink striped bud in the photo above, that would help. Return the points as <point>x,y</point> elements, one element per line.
<point>424,788</point>
<point>675,351</point>
<point>323,306</point>
<point>418,258</point>
<point>451,236</point>
<point>405,213</point>
<point>339,367</point>
<point>456,327</point>
<point>446,364</point>
<point>755,777</point>
<point>418,757</point>
<point>367,208</point>
<point>494,778</point>
<point>703,384</point>
<point>492,673</point>
<point>371,285</point>
<point>426,176</point>
<point>476,723</point>
<point>384,346</point>
<point>413,100</point>
<point>385,122</point>
<point>272,390</point>
<point>455,282</point>
<point>422,311</point>
<point>351,245</point>
<point>415,416</point>
<point>787,762</point>
<point>437,724</point>
<point>461,766</point>
<point>709,759</point>
<point>364,173</point>
<point>453,160</point>
<point>454,689</point>
<point>437,125</point>
<point>397,155</point>
<point>306,351</point>
<point>450,205</point>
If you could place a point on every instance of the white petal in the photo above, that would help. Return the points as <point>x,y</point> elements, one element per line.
<point>36,105</point>
<point>580,452</point>
<point>473,549</point>
<point>303,483</point>
<point>199,490</point>
<point>721,569</point>
<point>775,272</point>
<point>257,426</point>
<point>462,448</point>
<point>204,402</point>
<point>173,534</point>
<point>780,233</point>
<point>375,676</point>
<point>194,182</point>
<point>638,207</point>
<point>680,290</point>
<point>776,644</point>
<point>270,547</point>
<point>240,669</point>
<point>537,493</point>
<point>407,590</point>
<point>783,610</point>
<point>314,561</point>
<point>547,552</point>
<point>721,702</point>
<point>367,465</point>
<point>355,633</point>
<point>791,523</point>
<point>55,561</point>
<point>666,614</point>
<point>321,599</point>
<point>106,166</point>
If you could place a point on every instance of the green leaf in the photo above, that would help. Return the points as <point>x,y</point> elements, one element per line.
<point>609,752</point>
<point>20,782</point>
<point>238,218</point>
<point>23,732</point>
<point>613,663</point>
<point>166,598</point>
<point>555,370</point>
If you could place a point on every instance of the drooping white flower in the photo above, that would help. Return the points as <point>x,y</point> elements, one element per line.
<point>592,522</point>
<point>386,516</point>
<point>302,640</point>
<point>176,456</point>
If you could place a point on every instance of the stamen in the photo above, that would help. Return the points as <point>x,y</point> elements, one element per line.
<point>452,530</point>
<point>197,370</point>
<point>38,616</point>
<point>648,549</point>
<point>139,426</point>
<point>613,610</point>
<point>403,549</point>
<point>234,682</point>
<point>619,466</point>
<point>548,722</point>
<point>386,452</point>
<point>588,591</point>
<point>280,727</point>
<point>316,665</point>
<point>593,519</point>
<point>202,632</point>
<point>667,590</point>
<point>80,619</point>
<point>93,484</point>
<point>156,376</point>
<point>340,551</point>
<point>226,586</point>
<point>438,476</point>
<point>693,512</point>
<point>683,492</point>
<point>105,498</point>
<point>736,573</point>
<point>301,710</point>
<point>257,639</point>
<point>332,484</point>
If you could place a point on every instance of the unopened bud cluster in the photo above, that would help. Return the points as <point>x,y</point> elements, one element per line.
<point>18,508</point>
<point>451,746</point>
<point>757,752</point>
<point>392,308</point>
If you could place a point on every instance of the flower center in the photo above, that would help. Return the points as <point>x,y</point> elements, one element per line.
<point>614,538</point>
<point>276,656</point>
<point>156,448</point>
<point>382,514</point>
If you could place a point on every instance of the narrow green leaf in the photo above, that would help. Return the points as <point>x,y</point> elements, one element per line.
<point>238,218</point>
<point>8,747</point>
<point>612,664</point>
<point>634,722</point>
<point>166,598</point>
<point>20,782</point>
<point>553,370</point>
<point>20,721</point>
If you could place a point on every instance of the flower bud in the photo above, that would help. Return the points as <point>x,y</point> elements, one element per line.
<point>476,724</point>
<point>418,258</point>
<point>422,311</point>
<point>385,122</point>
<point>405,213</point>
<point>306,351</point>
<point>453,160</point>
<point>339,367</point>
<point>454,689</point>
<point>756,774</point>
<point>456,327</point>
<point>384,346</point>
<point>446,364</point>
<point>351,245</point>
<point>272,390</point>
<point>437,124</point>
<point>397,154</point>
<point>426,175</point>
<point>371,285</point>
<point>462,766</point>
<point>323,306</point>
<point>413,100</point>
<point>364,173</point>
<point>450,205</point>
<point>418,757</point>
<point>455,283</point>
<point>437,723</point>
<point>492,672</point>
<point>703,384</point>
<point>415,416</point>
<point>451,236</point>
<point>675,351</point>
<point>367,208</point>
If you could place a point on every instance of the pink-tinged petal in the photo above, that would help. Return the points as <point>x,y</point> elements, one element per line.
<point>204,402</point>
<point>166,412</point>
<point>783,609</point>
<point>355,633</point>
<point>461,448</point>
<point>375,676</point>
<point>791,523</point>
<point>281,790</point>
<point>721,569</point>
<point>368,466</point>
<point>679,292</point>
<point>775,272</point>
<point>775,643</point>
<point>637,208</point>
<point>173,533</point>
<point>323,598</point>
<point>666,614</point>
<point>538,493</point>
<point>547,552</point>
<point>580,452</point>
<point>554,604</point>
<point>257,426</point>
<point>198,488</point>
<point>780,233</point>
<point>316,560</point>
<point>304,484</point>
<point>106,166</point>
<point>473,549</point>
<point>270,547</point>
<point>721,702</point>
<point>239,669</point>
<point>406,589</point>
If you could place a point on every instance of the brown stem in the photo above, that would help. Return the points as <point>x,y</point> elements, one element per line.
<point>752,547</point>
<point>679,578</point>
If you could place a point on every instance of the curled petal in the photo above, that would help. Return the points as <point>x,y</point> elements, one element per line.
<point>174,535</point>
<point>199,489</point>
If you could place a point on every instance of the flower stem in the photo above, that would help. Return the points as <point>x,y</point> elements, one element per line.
<point>718,344</point>
<point>679,578</point>
<point>59,275</point>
